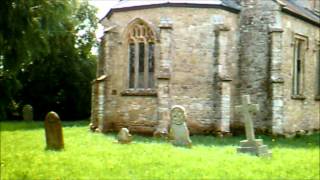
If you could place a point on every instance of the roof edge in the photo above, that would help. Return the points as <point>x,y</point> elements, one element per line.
<point>168,4</point>
<point>299,16</point>
<point>289,11</point>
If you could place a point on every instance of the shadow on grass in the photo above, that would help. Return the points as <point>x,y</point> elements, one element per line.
<point>310,141</point>
<point>32,125</point>
<point>215,141</point>
<point>140,138</point>
<point>307,141</point>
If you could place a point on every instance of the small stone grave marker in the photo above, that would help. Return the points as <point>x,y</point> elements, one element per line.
<point>27,112</point>
<point>179,132</point>
<point>251,145</point>
<point>53,130</point>
<point>124,136</point>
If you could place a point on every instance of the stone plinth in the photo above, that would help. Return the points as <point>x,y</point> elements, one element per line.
<point>255,147</point>
<point>251,145</point>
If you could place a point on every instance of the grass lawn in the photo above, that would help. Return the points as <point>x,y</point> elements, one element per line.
<point>95,156</point>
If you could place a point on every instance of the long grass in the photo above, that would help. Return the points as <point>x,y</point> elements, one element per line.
<point>96,156</point>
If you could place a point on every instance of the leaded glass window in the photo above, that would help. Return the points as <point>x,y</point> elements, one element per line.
<point>298,66</point>
<point>141,56</point>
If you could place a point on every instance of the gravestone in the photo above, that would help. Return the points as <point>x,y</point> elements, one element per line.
<point>251,145</point>
<point>124,137</point>
<point>53,130</point>
<point>27,112</point>
<point>179,132</point>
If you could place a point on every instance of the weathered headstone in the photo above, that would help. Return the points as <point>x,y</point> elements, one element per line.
<point>27,112</point>
<point>53,129</point>
<point>93,127</point>
<point>179,132</point>
<point>124,137</point>
<point>251,145</point>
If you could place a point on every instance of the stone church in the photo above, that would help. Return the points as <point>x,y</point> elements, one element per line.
<point>203,55</point>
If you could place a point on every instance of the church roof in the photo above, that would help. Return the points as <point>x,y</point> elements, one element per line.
<point>131,3</point>
<point>126,5</point>
<point>291,7</point>
<point>288,6</point>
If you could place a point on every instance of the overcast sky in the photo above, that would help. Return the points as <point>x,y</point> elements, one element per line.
<point>103,6</point>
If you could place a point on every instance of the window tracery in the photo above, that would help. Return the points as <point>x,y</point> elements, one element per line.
<point>141,56</point>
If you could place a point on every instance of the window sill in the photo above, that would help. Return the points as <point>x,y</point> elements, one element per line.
<point>317,98</point>
<point>298,97</point>
<point>139,92</point>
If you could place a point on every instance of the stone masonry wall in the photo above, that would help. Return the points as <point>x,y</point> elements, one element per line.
<point>255,18</point>
<point>191,80</point>
<point>300,114</point>
<point>204,61</point>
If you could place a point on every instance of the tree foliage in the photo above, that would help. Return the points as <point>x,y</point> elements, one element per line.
<point>46,59</point>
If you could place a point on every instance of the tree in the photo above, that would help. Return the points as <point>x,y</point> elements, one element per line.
<point>46,56</point>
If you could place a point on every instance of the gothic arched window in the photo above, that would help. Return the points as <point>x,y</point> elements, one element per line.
<point>141,56</point>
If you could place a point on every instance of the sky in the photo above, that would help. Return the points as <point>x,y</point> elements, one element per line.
<point>103,7</point>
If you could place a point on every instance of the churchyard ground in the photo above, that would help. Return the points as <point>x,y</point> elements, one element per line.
<point>96,156</point>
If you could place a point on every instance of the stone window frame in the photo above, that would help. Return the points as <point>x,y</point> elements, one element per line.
<point>140,32</point>
<point>298,85</point>
<point>317,76</point>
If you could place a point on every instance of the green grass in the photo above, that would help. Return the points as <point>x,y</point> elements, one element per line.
<point>96,156</point>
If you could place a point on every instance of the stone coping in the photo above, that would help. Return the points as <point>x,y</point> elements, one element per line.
<point>298,97</point>
<point>139,92</point>
<point>227,5</point>
<point>99,79</point>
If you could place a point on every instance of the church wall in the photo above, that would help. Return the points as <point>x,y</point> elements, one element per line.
<point>303,113</point>
<point>256,18</point>
<point>136,112</point>
<point>192,66</point>
<point>192,80</point>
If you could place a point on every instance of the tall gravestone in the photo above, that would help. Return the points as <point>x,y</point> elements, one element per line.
<point>251,145</point>
<point>27,112</point>
<point>179,132</point>
<point>53,130</point>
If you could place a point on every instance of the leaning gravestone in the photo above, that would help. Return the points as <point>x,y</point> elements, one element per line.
<point>124,137</point>
<point>53,129</point>
<point>179,132</point>
<point>251,145</point>
<point>27,112</point>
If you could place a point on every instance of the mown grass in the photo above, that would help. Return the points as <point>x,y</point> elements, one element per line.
<point>96,156</point>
